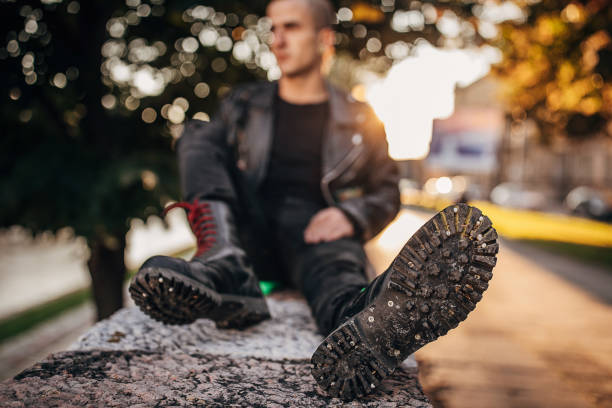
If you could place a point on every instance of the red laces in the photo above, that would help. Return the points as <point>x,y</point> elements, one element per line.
<point>201,222</point>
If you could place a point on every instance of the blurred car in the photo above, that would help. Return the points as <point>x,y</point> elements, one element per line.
<point>590,202</point>
<point>410,192</point>
<point>515,195</point>
<point>455,189</point>
<point>439,191</point>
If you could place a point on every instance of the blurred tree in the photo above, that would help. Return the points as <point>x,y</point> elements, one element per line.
<point>92,93</point>
<point>556,67</point>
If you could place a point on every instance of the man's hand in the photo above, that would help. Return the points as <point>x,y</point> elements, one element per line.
<point>327,225</point>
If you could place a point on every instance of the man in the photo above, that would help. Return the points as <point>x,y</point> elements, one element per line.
<point>287,182</point>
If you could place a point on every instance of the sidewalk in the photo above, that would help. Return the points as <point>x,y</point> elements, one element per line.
<point>535,340</point>
<point>57,334</point>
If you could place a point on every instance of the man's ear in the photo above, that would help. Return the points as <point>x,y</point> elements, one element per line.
<point>327,39</point>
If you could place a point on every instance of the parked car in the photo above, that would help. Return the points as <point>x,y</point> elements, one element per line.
<point>590,202</point>
<point>515,195</point>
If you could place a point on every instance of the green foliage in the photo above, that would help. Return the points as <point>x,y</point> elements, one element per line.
<point>588,254</point>
<point>556,66</point>
<point>65,159</point>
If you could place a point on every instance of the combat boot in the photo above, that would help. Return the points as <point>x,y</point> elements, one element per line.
<point>218,283</point>
<point>430,287</point>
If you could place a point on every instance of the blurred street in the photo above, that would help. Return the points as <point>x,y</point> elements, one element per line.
<point>536,339</point>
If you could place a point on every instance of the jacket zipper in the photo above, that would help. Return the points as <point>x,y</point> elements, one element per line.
<point>336,171</point>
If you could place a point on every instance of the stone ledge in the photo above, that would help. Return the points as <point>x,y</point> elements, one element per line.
<point>131,360</point>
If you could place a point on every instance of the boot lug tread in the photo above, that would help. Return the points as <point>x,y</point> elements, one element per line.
<point>188,302</point>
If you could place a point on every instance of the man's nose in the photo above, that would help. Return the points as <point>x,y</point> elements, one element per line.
<point>278,39</point>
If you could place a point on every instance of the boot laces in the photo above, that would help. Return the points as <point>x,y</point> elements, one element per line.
<point>201,221</point>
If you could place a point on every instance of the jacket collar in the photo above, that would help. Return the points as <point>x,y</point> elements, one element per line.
<point>337,142</point>
<point>339,102</point>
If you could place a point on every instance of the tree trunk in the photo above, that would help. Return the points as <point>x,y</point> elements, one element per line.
<point>107,269</point>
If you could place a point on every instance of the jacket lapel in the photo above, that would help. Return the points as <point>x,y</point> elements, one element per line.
<point>259,132</point>
<point>339,139</point>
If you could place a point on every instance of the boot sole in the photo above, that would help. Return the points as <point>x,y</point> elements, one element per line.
<point>172,298</point>
<point>434,282</point>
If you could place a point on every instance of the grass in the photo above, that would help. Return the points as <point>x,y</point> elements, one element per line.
<point>21,322</point>
<point>585,240</point>
<point>532,225</point>
<point>595,255</point>
<point>547,227</point>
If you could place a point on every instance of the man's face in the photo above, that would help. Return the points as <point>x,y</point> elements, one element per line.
<point>297,44</point>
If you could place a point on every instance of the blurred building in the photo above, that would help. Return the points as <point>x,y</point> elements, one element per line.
<point>463,157</point>
<point>480,144</point>
<point>560,166</point>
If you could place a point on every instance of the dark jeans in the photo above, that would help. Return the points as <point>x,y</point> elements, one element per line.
<point>329,274</point>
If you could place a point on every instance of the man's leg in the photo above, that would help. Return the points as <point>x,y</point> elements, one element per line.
<point>431,286</point>
<point>330,275</point>
<point>204,160</point>
<point>219,282</point>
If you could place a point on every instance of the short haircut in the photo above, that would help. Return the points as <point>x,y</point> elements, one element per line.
<point>322,12</point>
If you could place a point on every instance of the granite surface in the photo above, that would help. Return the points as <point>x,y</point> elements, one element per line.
<point>132,360</point>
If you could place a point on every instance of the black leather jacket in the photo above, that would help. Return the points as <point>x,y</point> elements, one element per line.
<point>358,176</point>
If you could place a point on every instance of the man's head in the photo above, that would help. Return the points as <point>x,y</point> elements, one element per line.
<point>302,34</point>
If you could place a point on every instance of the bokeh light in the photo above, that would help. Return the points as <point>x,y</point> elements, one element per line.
<point>181,103</point>
<point>149,115</point>
<point>31,78</point>
<point>201,90</point>
<point>208,37</point>
<point>15,94</point>
<point>444,185</point>
<point>218,65</point>
<point>190,44</point>
<point>25,115</point>
<point>345,14</point>
<point>73,7</point>
<point>132,103</point>
<point>373,45</point>
<point>224,43</point>
<point>149,179</point>
<point>176,114</point>
<point>203,116</point>
<point>59,80</point>
<point>109,101</point>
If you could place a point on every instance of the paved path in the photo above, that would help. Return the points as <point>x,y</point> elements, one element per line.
<point>57,334</point>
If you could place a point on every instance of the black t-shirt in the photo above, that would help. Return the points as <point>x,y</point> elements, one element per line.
<point>294,168</point>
